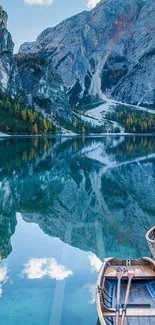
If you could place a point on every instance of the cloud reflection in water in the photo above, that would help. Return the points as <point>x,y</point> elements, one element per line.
<point>3,278</point>
<point>92,291</point>
<point>38,268</point>
<point>95,262</point>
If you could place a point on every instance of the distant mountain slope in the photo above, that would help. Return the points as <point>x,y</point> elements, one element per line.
<point>109,50</point>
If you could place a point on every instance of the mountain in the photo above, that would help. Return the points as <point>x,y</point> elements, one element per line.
<point>104,56</point>
<point>107,51</point>
<point>30,79</point>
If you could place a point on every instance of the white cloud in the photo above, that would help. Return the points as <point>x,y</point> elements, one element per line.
<point>92,3</point>
<point>3,278</point>
<point>39,2</point>
<point>92,290</point>
<point>95,262</point>
<point>37,268</point>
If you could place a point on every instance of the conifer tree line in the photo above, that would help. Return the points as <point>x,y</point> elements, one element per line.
<point>134,121</point>
<point>16,119</point>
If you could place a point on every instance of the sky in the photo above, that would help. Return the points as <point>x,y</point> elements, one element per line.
<point>28,18</point>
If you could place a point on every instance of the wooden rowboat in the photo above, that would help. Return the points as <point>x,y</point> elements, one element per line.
<point>150,237</point>
<point>140,304</point>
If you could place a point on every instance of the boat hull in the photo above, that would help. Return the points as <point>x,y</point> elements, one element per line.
<point>150,237</point>
<point>141,303</point>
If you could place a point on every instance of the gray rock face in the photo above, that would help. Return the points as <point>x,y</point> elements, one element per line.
<point>107,51</point>
<point>138,85</point>
<point>31,79</point>
<point>8,69</point>
<point>42,86</point>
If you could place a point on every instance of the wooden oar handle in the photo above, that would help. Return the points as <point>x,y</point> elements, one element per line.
<point>130,276</point>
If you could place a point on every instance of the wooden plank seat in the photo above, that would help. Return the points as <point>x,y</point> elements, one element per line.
<point>141,271</point>
<point>132,312</point>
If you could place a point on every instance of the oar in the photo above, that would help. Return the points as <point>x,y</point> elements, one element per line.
<point>119,274</point>
<point>131,274</point>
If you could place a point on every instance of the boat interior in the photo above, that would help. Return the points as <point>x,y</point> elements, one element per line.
<point>141,302</point>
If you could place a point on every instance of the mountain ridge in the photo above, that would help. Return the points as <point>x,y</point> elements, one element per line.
<point>105,55</point>
<point>82,47</point>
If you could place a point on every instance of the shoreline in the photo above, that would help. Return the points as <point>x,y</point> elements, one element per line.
<point>92,135</point>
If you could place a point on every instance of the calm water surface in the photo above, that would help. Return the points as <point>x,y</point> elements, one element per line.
<point>65,204</point>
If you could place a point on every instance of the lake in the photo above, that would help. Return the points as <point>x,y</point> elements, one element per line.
<point>65,204</point>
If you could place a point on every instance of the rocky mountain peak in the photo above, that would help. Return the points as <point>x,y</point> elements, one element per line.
<point>30,78</point>
<point>88,50</point>
<point>8,79</point>
<point>3,18</point>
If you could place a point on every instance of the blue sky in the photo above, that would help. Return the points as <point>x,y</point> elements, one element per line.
<point>28,18</point>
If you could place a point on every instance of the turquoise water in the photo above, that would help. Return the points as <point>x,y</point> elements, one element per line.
<point>65,204</point>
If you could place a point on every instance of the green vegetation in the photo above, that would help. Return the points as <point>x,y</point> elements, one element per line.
<point>80,127</point>
<point>87,128</point>
<point>134,121</point>
<point>15,119</point>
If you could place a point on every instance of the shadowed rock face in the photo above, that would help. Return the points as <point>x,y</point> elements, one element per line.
<point>42,86</point>
<point>31,79</point>
<point>94,194</point>
<point>7,229</point>
<point>109,49</point>
<point>9,80</point>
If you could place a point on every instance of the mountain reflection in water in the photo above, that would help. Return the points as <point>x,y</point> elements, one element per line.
<point>96,194</point>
